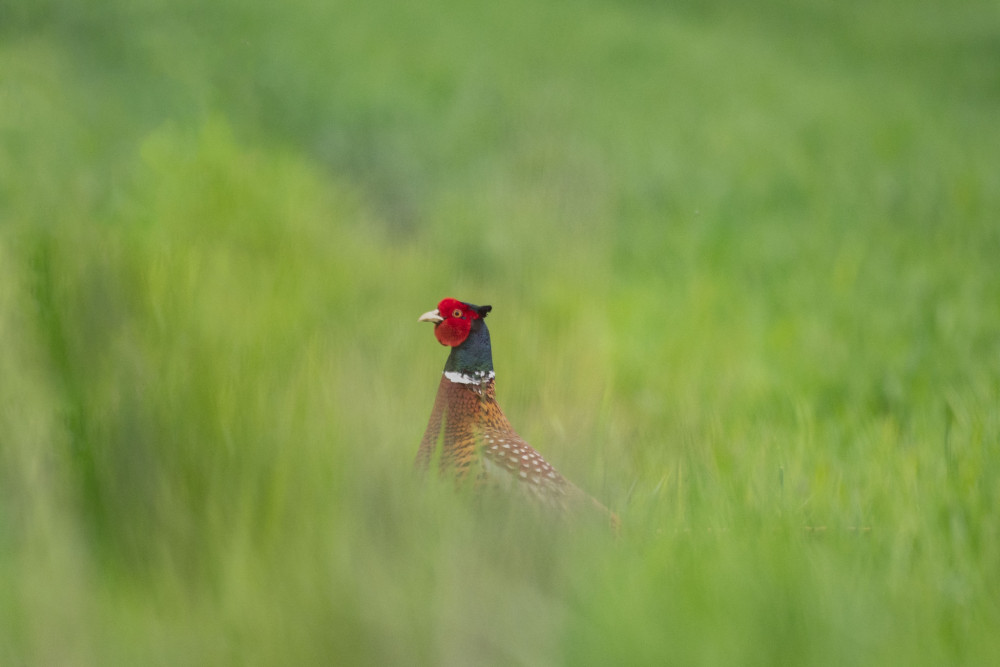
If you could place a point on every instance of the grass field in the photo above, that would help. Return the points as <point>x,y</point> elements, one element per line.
<point>744,260</point>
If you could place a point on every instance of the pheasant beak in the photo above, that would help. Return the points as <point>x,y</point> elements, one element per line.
<point>431,316</point>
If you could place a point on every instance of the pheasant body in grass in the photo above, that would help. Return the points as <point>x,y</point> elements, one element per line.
<point>469,432</point>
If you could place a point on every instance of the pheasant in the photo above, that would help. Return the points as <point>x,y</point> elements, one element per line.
<point>472,432</point>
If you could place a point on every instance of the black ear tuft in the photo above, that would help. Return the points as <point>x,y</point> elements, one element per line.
<point>482,310</point>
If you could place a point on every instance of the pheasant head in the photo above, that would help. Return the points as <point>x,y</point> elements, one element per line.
<point>462,327</point>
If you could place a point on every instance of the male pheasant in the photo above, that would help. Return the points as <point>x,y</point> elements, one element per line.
<point>471,430</point>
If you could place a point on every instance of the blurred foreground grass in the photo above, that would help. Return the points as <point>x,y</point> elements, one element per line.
<point>743,259</point>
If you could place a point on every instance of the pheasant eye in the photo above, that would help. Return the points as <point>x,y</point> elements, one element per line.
<point>457,312</point>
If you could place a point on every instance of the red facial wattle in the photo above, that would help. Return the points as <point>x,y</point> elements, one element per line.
<point>456,322</point>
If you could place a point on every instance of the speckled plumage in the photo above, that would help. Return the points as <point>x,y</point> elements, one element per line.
<point>474,436</point>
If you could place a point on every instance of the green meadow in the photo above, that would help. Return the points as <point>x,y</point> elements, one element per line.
<point>744,262</point>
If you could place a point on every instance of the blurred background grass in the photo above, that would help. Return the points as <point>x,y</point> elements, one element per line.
<point>743,259</point>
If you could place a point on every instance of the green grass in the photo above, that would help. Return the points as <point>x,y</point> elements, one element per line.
<point>743,263</point>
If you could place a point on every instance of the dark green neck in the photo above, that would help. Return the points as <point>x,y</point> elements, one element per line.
<point>474,355</point>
